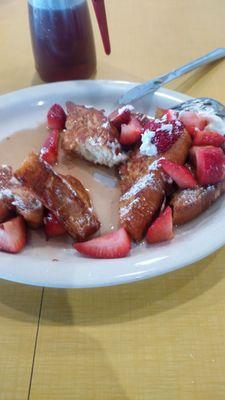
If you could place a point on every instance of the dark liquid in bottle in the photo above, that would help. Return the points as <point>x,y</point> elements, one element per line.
<point>62,40</point>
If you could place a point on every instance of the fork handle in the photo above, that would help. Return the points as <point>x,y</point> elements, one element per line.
<point>154,84</point>
<point>190,66</point>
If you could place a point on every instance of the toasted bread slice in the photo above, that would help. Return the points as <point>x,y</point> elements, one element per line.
<point>66,198</point>
<point>90,135</point>
<point>79,188</point>
<point>143,185</point>
<point>190,203</point>
<point>15,197</point>
<point>5,176</point>
<point>4,211</point>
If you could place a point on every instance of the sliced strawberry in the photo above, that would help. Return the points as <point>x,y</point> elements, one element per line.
<point>171,115</point>
<point>52,226</point>
<point>162,228</point>
<point>142,118</point>
<point>207,138</point>
<point>166,132</point>
<point>209,163</point>
<point>153,125</point>
<point>131,133</point>
<point>120,116</point>
<point>56,117</point>
<point>193,121</point>
<point>49,150</point>
<point>111,245</point>
<point>181,175</point>
<point>13,235</point>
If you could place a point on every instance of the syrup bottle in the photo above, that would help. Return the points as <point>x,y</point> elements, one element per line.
<point>62,38</point>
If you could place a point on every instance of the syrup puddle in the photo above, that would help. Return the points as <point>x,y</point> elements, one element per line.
<point>107,181</point>
<point>101,182</point>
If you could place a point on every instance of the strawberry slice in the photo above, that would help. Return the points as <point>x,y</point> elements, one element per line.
<point>56,117</point>
<point>208,138</point>
<point>193,121</point>
<point>170,115</point>
<point>13,235</point>
<point>181,175</point>
<point>162,228</point>
<point>52,226</point>
<point>209,162</point>
<point>131,133</point>
<point>142,118</point>
<point>120,116</point>
<point>49,150</point>
<point>111,245</point>
<point>166,133</point>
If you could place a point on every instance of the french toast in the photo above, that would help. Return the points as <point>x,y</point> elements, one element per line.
<point>15,197</point>
<point>65,197</point>
<point>143,186</point>
<point>5,176</point>
<point>91,136</point>
<point>190,203</point>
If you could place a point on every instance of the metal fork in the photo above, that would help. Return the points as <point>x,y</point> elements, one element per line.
<point>202,104</point>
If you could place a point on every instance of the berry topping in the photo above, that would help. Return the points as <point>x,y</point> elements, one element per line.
<point>193,121</point>
<point>164,132</point>
<point>49,150</point>
<point>120,116</point>
<point>162,228</point>
<point>181,175</point>
<point>52,226</point>
<point>56,117</point>
<point>111,245</point>
<point>207,138</point>
<point>13,235</point>
<point>209,163</point>
<point>131,133</point>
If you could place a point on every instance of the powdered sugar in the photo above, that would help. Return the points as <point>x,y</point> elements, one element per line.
<point>6,193</point>
<point>189,196</point>
<point>126,209</point>
<point>125,108</point>
<point>155,164</point>
<point>167,128</point>
<point>144,181</point>
<point>14,181</point>
<point>94,141</point>
<point>106,125</point>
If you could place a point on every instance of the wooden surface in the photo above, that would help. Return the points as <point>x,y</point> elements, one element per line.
<point>159,339</point>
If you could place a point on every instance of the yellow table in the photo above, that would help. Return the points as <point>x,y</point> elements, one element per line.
<point>159,339</point>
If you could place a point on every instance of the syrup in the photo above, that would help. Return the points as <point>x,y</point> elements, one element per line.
<point>62,39</point>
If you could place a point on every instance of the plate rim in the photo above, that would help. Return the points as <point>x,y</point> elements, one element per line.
<point>121,279</point>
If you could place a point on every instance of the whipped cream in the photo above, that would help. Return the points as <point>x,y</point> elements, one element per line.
<point>147,147</point>
<point>214,123</point>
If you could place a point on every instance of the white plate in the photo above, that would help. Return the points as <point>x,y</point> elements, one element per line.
<point>26,109</point>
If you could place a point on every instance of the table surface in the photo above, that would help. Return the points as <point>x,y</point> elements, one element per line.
<point>158,339</point>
